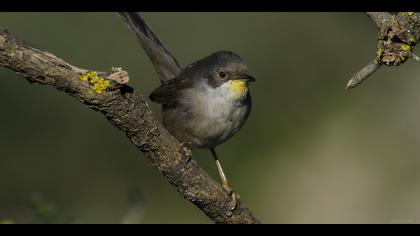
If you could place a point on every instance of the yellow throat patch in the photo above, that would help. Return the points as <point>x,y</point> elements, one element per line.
<point>238,87</point>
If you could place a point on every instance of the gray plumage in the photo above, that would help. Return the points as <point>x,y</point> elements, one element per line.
<point>165,64</point>
<point>203,104</point>
<point>199,107</point>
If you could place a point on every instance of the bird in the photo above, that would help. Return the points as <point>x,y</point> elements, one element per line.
<point>203,104</point>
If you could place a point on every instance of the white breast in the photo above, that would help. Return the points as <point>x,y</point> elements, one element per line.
<point>218,113</point>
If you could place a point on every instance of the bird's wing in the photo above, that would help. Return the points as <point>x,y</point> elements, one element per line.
<point>165,64</point>
<point>170,91</point>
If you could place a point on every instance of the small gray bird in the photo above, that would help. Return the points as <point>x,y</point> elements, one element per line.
<point>207,103</point>
<point>203,104</point>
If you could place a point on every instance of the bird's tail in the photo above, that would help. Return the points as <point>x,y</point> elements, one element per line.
<point>165,64</point>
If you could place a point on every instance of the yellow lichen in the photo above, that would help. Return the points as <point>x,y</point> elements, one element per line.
<point>378,53</point>
<point>84,77</point>
<point>407,14</point>
<point>99,83</point>
<point>94,80</point>
<point>405,47</point>
<point>412,40</point>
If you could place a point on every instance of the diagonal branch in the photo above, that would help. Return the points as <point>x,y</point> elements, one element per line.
<point>363,74</point>
<point>398,35</point>
<point>127,111</point>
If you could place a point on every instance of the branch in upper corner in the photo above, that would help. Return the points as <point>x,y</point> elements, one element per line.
<point>129,112</point>
<point>381,19</point>
<point>398,36</point>
<point>363,74</point>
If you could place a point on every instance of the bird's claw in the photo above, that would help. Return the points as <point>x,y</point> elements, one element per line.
<point>235,197</point>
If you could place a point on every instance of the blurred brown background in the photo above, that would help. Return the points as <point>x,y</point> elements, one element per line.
<point>310,152</point>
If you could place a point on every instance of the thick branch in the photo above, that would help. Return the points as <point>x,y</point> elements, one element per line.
<point>381,19</point>
<point>398,36</point>
<point>127,111</point>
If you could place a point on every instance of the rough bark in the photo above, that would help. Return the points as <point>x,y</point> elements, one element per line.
<point>129,112</point>
<point>398,35</point>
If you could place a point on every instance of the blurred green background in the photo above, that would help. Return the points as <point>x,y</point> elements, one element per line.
<point>310,152</point>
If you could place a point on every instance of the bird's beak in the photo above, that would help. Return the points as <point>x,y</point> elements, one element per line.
<point>248,78</point>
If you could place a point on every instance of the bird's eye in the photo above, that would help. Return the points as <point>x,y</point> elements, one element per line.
<point>222,74</point>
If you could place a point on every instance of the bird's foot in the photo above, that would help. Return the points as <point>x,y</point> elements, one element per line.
<point>235,197</point>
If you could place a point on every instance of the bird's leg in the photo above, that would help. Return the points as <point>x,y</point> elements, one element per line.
<point>225,182</point>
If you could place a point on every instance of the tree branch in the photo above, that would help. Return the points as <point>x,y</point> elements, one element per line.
<point>363,74</point>
<point>381,19</point>
<point>127,111</point>
<point>398,36</point>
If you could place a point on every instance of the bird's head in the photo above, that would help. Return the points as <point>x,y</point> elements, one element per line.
<point>223,68</point>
